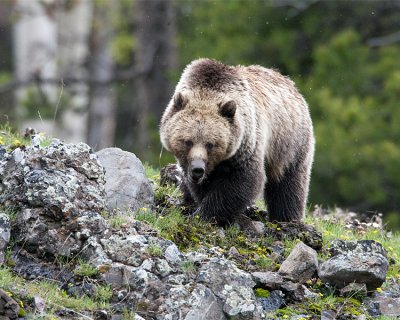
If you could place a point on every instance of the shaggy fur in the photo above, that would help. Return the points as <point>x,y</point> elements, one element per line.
<point>251,129</point>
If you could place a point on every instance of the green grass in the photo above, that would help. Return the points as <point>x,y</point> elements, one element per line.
<point>11,139</point>
<point>84,269</point>
<point>54,297</point>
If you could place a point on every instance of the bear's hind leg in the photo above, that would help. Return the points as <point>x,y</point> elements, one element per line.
<point>286,197</point>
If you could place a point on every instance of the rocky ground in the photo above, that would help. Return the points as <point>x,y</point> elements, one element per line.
<point>97,236</point>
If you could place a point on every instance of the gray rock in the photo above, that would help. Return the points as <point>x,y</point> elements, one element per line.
<point>301,264</point>
<point>249,226</point>
<point>139,280</point>
<point>204,305</point>
<point>128,250</point>
<point>9,308</point>
<point>268,279</point>
<point>58,192</point>
<point>5,229</point>
<point>361,261</point>
<point>233,251</point>
<point>328,315</point>
<point>273,302</point>
<point>173,255</point>
<point>233,286</point>
<point>117,275</point>
<point>162,268</point>
<point>297,291</point>
<point>388,306</point>
<point>127,186</point>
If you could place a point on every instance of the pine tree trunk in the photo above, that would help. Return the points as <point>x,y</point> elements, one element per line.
<point>102,104</point>
<point>155,56</point>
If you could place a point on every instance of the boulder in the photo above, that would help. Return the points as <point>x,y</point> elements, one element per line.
<point>58,193</point>
<point>363,261</point>
<point>301,264</point>
<point>127,186</point>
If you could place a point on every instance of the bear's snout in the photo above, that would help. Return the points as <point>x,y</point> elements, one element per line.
<point>197,170</point>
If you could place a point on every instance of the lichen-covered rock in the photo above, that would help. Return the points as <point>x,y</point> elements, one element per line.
<point>233,286</point>
<point>363,261</point>
<point>388,306</point>
<point>301,264</point>
<point>127,186</point>
<point>204,305</point>
<point>5,229</point>
<point>58,192</point>
<point>273,302</point>
<point>64,179</point>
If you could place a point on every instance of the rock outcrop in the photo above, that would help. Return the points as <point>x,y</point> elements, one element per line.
<point>62,197</point>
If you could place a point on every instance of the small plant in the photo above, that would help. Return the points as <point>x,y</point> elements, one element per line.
<point>128,314</point>
<point>261,293</point>
<point>154,250</point>
<point>103,294</point>
<point>188,267</point>
<point>84,269</point>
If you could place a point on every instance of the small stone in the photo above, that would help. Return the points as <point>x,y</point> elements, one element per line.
<point>250,226</point>
<point>301,264</point>
<point>5,229</point>
<point>233,251</point>
<point>328,315</point>
<point>268,279</point>
<point>116,275</point>
<point>162,268</point>
<point>147,265</point>
<point>273,302</point>
<point>389,306</point>
<point>173,255</point>
<point>40,304</point>
<point>297,291</point>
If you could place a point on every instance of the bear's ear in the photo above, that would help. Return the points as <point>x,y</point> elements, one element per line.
<point>227,109</point>
<point>179,101</point>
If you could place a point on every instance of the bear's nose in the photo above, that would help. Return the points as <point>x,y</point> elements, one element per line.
<point>198,169</point>
<point>197,173</point>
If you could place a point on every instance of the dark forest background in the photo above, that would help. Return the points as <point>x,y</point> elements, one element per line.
<point>103,71</point>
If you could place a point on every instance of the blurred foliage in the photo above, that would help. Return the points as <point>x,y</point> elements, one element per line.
<point>352,88</point>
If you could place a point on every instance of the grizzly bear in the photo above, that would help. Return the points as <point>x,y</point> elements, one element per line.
<point>237,131</point>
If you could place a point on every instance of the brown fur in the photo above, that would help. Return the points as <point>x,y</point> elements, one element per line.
<point>251,128</point>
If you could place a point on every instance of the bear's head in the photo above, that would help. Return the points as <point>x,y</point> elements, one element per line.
<point>201,131</point>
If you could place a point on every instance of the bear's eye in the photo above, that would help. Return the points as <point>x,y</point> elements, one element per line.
<point>209,145</point>
<point>188,143</point>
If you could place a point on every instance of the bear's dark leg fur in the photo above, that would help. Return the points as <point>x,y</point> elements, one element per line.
<point>286,198</point>
<point>228,192</point>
